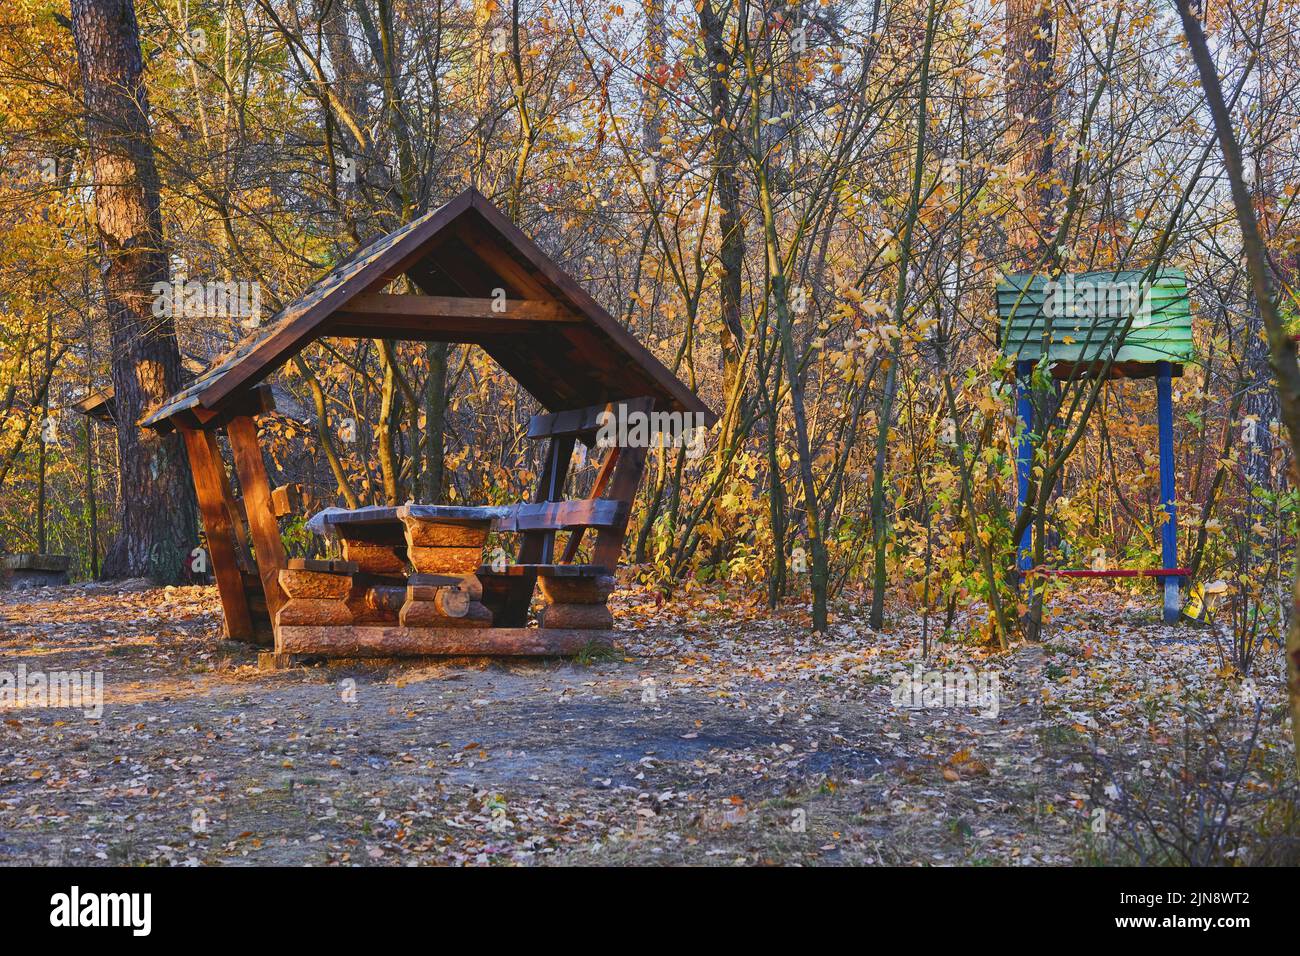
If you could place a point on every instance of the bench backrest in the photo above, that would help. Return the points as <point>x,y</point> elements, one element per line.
<point>584,423</point>
<point>617,478</point>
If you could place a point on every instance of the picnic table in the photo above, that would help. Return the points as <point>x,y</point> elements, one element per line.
<point>423,569</point>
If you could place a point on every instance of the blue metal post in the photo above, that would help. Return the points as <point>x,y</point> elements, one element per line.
<point>1168,533</point>
<point>1024,459</point>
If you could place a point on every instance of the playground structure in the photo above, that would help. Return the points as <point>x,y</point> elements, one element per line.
<point>1112,324</point>
<point>413,579</point>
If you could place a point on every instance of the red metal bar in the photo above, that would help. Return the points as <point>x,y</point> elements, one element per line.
<point>1118,573</point>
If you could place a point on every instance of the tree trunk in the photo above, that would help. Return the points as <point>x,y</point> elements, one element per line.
<point>390,411</point>
<point>1031,108</point>
<point>1282,352</point>
<point>158,512</point>
<point>880,531</point>
<point>731,224</point>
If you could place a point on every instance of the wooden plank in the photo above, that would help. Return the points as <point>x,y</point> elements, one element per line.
<point>391,534</point>
<point>286,499</point>
<point>238,520</point>
<point>548,570</point>
<point>454,514</point>
<point>563,515</point>
<point>323,565</point>
<point>597,490</point>
<point>259,400</point>
<point>370,514</point>
<point>210,487</point>
<point>438,307</point>
<point>537,547</point>
<point>381,640</point>
<point>497,256</point>
<point>31,561</point>
<point>459,331</point>
<point>550,489</point>
<point>583,421</point>
<point>269,547</point>
<point>622,487</point>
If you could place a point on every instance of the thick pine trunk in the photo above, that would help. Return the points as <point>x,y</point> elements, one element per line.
<point>158,512</point>
<point>1031,103</point>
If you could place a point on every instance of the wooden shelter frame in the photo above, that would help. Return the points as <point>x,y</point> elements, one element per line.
<point>481,281</point>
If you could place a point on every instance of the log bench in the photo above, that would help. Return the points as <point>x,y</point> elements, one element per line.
<point>413,581</point>
<point>30,570</point>
<point>576,594</point>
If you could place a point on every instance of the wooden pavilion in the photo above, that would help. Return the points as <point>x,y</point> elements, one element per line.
<point>413,579</point>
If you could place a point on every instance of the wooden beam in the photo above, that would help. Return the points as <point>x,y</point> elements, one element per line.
<point>597,490</point>
<point>562,515</point>
<point>490,252</point>
<point>287,499</point>
<point>539,545</point>
<point>381,640</point>
<point>238,520</point>
<point>545,271</point>
<point>584,421</point>
<point>267,544</point>
<point>437,307</point>
<point>482,332</point>
<point>211,488</point>
<point>622,488</point>
<point>258,400</point>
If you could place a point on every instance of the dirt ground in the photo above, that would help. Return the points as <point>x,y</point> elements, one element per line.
<point>719,734</point>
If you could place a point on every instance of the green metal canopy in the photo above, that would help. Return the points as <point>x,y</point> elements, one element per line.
<point>1089,315</point>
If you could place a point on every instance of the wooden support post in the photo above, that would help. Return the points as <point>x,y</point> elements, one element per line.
<point>446,553</point>
<point>538,547</point>
<point>1024,459</point>
<point>267,544</point>
<point>577,602</point>
<point>622,487</point>
<point>315,598</point>
<point>1169,531</point>
<point>597,490</point>
<point>210,486</point>
<point>243,553</point>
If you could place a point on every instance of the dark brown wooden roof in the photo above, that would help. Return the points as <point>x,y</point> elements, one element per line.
<point>101,406</point>
<point>565,350</point>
